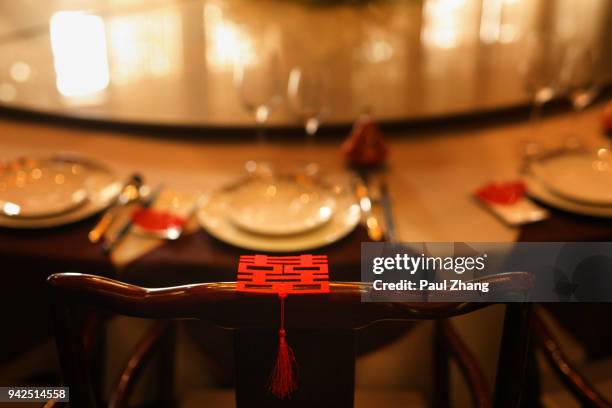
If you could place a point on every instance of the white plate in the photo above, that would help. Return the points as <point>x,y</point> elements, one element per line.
<point>537,190</point>
<point>581,177</point>
<point>285,205</point>
<point>41,187</point>
<point>102,188</point>
<point>213,218</point>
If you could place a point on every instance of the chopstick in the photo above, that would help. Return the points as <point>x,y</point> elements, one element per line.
<point>369,219</point>
<point>122,233</point>
<point>385,202</point>
<point>125,197</point>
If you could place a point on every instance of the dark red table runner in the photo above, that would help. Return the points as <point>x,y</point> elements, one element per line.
<point>196,257</point>
<point>581,319</point>
<point>201,258</point>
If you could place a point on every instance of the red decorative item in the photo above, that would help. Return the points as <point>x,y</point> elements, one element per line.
<point>506,193</point>
<point>153,220</point>
<point>606,118</point>
<point>283,275</point>
<point>365,146</point>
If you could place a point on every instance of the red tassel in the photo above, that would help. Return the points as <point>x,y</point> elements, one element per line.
<point>282,380</point>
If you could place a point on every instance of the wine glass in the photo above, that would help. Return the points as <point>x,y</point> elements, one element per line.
<point>582,76</point>
<point>260,91</point>
<point>306,93</point>
<point>543,55</point>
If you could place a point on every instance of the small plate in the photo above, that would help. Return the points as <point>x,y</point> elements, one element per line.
<point>101,184</point>
<point>537,190</point>
<point>33,188</point>
<point>283,205</point>
<point>213,218</point>
<point>581,177</point>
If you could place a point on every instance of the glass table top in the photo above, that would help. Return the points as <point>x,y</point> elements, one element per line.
<point>175,62</point>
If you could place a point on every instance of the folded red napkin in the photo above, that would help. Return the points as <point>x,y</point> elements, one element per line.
<point>156,220</point>
<point>508,201</point>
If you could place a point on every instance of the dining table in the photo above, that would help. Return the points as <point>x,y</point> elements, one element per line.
<point>432,171</point>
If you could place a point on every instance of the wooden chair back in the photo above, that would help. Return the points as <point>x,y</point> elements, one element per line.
<point>340,310</point>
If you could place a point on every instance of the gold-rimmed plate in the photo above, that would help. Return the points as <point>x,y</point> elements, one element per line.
<point>100,185</point>
<point>214,219</point>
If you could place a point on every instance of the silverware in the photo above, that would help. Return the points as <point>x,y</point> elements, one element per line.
<point>130,192</point>
<point>125,228</point>
<point>375,231</point>
<point>385,202</point>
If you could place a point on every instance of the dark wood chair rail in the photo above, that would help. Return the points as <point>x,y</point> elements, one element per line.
<point>221,304</point>
<point>578,385</point>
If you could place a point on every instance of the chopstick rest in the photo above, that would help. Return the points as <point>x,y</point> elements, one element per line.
<point>167,218</point>
<point>508,201</point>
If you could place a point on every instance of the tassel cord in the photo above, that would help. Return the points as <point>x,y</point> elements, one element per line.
<point>282,380</point>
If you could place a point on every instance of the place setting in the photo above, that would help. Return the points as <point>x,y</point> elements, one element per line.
<point>284,214</point>
<point>46,192</point>
<point>557,183</point>
<point>274,211</point>
<point>303,208</point>
<point>125,218</point>
<point>569,181</point>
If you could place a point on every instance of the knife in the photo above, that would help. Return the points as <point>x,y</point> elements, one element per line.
<point>385,202</point>
<point>125,228</point>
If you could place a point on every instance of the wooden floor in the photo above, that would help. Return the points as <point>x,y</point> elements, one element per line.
<point>363,399</point>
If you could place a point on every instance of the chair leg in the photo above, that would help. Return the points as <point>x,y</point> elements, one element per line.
<point>532,376</point>
<point>94,339</point>
<point>513,352</point>
<point>441,358</point>
<point>167,367</point>
<point>72,356</point>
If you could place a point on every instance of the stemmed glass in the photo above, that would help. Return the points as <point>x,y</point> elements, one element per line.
<point>582,76</point>
<point>541,69</point>
<point>306,92</point>
<point>260,90</point>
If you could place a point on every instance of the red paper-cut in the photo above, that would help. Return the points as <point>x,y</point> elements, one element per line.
<point>506,193</point>
<point>303,274</point>
<point>283,275</point>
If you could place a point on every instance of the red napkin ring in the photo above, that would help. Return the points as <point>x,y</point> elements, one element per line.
<point>365,146</point>
<point>503,193</point>
<point>154,220</point>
